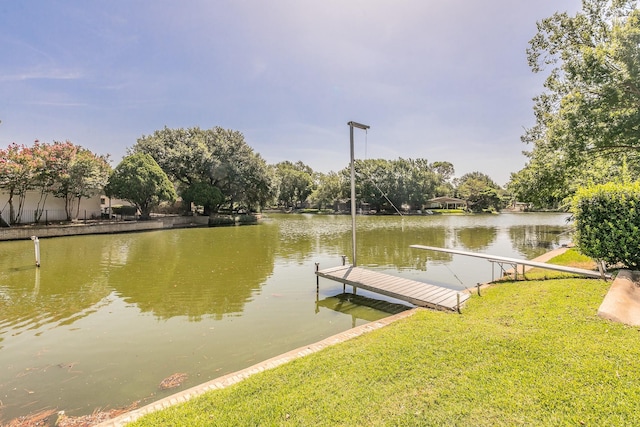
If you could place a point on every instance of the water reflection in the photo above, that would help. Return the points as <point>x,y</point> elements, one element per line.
<point>475,238</point>
<point>197,272</point>
<point>531,239</point>
<point>360,307</point>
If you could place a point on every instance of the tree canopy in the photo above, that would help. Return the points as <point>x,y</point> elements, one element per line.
<point>480,191</point>
<point>588,117</point>
<point>295,183</point>
<point>218,157</point>
<point>592,98</point>
<point>63,169</point>
<point>138,179</point>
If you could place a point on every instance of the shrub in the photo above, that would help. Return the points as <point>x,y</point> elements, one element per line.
<point>608,222</point>
<point>124,210</point>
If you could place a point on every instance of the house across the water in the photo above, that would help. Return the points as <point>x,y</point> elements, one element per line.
<point>446,203</point>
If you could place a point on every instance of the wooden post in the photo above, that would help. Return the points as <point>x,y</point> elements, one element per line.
<point>317,278</point>
<point>478,286</point>
<point>344,259</point>
<point>458,302</point>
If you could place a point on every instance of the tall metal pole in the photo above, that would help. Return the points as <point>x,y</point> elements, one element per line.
<point>353,192</point>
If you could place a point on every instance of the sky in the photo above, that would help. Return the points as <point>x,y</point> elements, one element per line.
<point>443,80</point>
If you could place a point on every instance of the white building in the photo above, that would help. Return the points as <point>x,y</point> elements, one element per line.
<point>52,210</point>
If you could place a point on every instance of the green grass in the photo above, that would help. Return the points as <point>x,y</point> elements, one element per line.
<point>525,353</point>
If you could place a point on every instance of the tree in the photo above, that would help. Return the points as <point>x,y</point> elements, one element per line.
<point>295,183</point>
<point>480,191</point>
<point>588,117</point>
<point>392,184</point>
<point>328,189</point>
<point>444,174</point>
<point>140,180</point>
<point>81,174</point>
<point>548,180</point>
<point>217,156</point>
<point>17,169</point>
<point>592,98</point>
<point>205,195</point>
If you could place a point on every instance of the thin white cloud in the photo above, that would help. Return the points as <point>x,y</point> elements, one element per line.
<point>42,75</point>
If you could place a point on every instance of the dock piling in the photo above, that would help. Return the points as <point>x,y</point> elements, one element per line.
<point>36,245</point>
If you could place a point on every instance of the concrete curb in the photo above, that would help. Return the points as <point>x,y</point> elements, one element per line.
<point>236,377</point>
<point>622,302</point>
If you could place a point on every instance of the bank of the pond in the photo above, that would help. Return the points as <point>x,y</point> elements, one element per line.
<point>111,227</point>
<point>523,353</point>
<point>533,353</point>
<point>93,227</point>
<point>236,377</point>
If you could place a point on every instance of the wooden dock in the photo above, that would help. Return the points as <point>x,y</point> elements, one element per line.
<point>414,292</point>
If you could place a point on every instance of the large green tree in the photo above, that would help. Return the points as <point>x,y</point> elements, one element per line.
<point>592,97</point>
<point>395,184</point>
<point>480,192</point>
<point>295,183</point>
<point>218,157</point>
<point>328,189</point>
<point>590,107</point>
<point>138,179</point>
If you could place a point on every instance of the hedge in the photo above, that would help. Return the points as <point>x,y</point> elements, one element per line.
<point>608,223</point>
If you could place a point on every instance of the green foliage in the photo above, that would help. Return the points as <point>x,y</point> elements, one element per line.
<point>480,191</point>
<point>587,119</point>
<point>203,194</point>
<point>392,184</point>
<point>139,180</point>
<point>519,355</point>
<point>593,98</point>
<point>328,188</point>
<point>219,157</point>
<point>295,183</point>
<point>608,222</point>
<point>124,210</point>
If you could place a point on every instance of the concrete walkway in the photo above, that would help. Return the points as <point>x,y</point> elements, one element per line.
<point>238,376</point>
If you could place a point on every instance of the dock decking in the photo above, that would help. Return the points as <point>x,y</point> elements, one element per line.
<point>416,293</point>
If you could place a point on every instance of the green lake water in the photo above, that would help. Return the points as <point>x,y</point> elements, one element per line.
<point>107,317</point>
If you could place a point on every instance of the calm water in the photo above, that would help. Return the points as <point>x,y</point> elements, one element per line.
<point>106,318</point>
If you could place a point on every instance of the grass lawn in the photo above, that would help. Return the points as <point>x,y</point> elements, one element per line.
<point>524,353</point>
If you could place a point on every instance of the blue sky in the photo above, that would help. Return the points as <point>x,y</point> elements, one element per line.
<point>444,80</point>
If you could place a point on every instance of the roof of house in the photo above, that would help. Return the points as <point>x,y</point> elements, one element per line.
<point>447,200</point>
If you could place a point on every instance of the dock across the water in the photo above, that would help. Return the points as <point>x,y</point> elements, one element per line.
<point>414,292</point>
